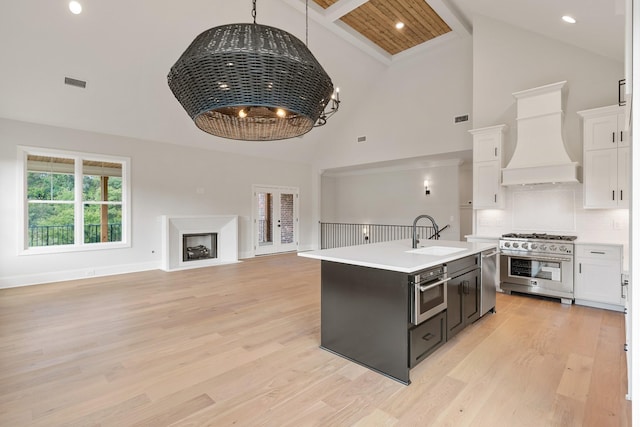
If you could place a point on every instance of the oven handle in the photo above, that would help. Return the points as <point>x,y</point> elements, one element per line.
<point>490,255</point>
<point>539,258</point>
<point>433,285</point>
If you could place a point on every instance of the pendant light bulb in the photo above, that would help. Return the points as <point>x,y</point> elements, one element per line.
<point>242,114</point>
<point>280,112</point>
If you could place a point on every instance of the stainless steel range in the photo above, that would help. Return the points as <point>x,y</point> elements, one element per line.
<point>540,264</point>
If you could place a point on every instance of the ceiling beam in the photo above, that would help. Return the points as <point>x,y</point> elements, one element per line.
<point>452,16</point>
<point>341,8</point>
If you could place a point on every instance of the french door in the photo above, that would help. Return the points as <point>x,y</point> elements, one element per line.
<point>275,219</point>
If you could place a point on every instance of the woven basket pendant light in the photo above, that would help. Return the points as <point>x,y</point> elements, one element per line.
<point>251,82</point>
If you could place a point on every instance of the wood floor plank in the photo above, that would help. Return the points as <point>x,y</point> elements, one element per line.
<point>238,345</point>
<point>576,378</point>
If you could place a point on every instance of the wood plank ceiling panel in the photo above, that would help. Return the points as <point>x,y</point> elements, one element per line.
<point>376,21</point>
<point>325,3</point>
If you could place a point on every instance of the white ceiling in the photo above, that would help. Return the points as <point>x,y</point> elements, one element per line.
<point>124,50</point>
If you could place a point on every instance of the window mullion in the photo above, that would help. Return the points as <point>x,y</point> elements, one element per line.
<point>78,206</point>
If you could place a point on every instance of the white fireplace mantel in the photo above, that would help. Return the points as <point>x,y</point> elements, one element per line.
<point>174,227</point>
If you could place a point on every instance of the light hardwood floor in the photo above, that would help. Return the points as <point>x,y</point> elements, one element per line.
<point>238,345</point>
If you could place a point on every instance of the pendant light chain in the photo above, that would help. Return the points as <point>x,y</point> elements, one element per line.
<point>306,13</point>
<point>253,11</point>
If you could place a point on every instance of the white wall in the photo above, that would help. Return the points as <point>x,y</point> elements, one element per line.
<point>393,197</point>
<point>408,111</point>
<point>508,59</point>
<point>164,182</point>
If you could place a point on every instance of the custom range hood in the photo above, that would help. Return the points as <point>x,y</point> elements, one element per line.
<point>540,156</point>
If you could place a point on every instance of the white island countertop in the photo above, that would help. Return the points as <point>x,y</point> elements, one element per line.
<point>393,255</point>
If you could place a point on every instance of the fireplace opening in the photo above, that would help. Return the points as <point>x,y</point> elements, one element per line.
<point>199,246</point>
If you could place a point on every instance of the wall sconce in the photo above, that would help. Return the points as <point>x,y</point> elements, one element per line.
<point>426,187</point>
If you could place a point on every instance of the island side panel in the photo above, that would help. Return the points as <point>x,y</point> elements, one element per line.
<point>365,316</point>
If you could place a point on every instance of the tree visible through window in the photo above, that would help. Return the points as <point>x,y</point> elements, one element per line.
<point>73,200</point>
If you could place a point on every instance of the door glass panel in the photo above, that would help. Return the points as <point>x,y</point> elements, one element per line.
<point>286,218</point>
<point>265,219</point>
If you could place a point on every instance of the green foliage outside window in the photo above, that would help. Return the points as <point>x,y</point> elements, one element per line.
<point>53,223</point>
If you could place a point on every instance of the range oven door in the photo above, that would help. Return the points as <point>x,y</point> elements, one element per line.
<point>544,274</point>
<point>429,298</point>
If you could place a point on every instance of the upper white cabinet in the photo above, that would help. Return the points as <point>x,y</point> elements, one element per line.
<point>604,128</point>
<point>606,158</point>
<point>488,162</point>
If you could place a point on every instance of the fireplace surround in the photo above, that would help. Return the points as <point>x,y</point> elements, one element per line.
<point>217,233</point>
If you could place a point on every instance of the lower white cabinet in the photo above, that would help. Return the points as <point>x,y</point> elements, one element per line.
<point>598,277</point>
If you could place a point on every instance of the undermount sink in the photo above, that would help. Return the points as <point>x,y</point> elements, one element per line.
<point>436,250</point>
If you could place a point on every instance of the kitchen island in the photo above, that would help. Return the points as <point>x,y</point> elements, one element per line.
<point>370,296</point>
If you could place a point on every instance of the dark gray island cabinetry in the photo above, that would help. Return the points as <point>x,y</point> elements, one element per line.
<point>384,305</point>
<point>364,317</point>
<point>463,294</point>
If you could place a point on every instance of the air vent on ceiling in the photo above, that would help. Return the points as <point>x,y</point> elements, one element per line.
<point>75,82</point>
<point>362,139</point>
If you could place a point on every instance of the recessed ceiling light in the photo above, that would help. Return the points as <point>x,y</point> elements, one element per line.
<point>75,7</point>
<point>569,19</point>
<point>399,25</point>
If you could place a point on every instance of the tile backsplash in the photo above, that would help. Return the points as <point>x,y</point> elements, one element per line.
<point>557,209</point>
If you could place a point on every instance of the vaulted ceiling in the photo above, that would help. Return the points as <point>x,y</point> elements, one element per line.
<point>124,49</point>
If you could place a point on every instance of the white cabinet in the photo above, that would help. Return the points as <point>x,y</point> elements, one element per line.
<point>604,128</point>
<point>606,158</point>
<point>598,277</point>
<point>488,161</point>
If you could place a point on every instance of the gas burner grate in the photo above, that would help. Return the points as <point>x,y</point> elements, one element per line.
<point>538,236</point>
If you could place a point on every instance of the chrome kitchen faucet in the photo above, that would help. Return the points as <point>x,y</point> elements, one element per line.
<point>414,243</point>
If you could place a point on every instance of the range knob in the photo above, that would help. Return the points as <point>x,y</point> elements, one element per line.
<point>534,246</point>
<point>507,244</point>
<point>563,249</point>
<point>525,245</point>
<point>516,245</point>
<point>552,247</point>
<point>543,247</point>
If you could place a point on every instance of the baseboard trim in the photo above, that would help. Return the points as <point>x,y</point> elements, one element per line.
<point>83,273</point>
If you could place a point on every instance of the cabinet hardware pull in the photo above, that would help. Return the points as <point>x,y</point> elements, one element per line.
<point>495,198</point>
<point>466,287</point>
<point>597,252</point>
<point>613,137</point>
<point>540,258</point>
<point>620,136</point>
<point>613,194</point>
<point>428,336</point>
<point>495,151</point>
<point>580,268</point>
<point>433,285</point>
<point>620,195</point>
